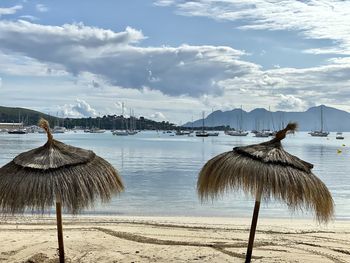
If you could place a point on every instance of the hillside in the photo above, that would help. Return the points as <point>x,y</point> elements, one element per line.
<point>31,117</point>
<point>9,114</point>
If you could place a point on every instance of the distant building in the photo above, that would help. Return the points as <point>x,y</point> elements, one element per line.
<point>14,125</point>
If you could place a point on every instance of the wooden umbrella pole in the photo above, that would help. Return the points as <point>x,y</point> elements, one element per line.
<point>59,229</point>
<point>253,226</point>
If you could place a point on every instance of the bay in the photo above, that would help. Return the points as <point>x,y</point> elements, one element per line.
<point>160,171</point>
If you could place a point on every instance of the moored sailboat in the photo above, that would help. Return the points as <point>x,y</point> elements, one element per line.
<point>239,132</point>
<point>59,129</point>
<point>321,132</point>
<point>18,129</point>
<point>212,124</point>
<point>97,130</point>
<point>202,133</point>
<point>123,131</point>
<point>262,134</point>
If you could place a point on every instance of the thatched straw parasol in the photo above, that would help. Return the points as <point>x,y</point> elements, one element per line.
<point>266,171</point>
<point>56,173</point>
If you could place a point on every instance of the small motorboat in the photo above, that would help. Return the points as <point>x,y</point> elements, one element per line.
<point>339,136</point>
<point>17,131</point>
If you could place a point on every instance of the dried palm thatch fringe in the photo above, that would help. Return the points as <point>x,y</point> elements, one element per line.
<point>34,179</point>
<point>268,168</point>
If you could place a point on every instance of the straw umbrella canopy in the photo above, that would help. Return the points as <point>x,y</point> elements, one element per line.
<point>71,177</point>
<point>266,171</point>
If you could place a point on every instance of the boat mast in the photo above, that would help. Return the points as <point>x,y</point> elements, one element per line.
<point>130,121</point>
<point>122,116</point>
<point>321,118</point>
<point>192,123</point>
<point>203,121</point>
<point>273,124</point>
<point>241,120</point>
<point>268,121</point>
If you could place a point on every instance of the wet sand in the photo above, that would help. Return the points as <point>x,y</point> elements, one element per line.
<point>172,239</point>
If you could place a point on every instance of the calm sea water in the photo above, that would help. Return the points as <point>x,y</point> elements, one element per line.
<point>160,171</point>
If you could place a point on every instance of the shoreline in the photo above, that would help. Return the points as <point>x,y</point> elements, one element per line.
<point>172,239</point>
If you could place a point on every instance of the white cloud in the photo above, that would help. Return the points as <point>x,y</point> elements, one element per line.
<point>340,60</point>
<point>177,82</point>
<point>80,109</point>
<point>41,8</point>
<point>158,116</point>
<point>10,10</point>
<point>313,19</point>
<point>164,2</point>
<point>18,65</point>
<point>290,102</point>
<point>309,85</point>
<point>183,70</point>
<point>79,36</point>
<point>119,105</point>
<point>29,17</point>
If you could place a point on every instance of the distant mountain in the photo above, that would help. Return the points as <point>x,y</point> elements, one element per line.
<point>334,119</point>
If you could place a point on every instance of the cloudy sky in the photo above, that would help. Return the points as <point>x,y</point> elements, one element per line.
<point>172,59</point>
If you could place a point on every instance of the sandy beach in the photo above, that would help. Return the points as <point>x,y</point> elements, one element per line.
<point>172,239</point>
